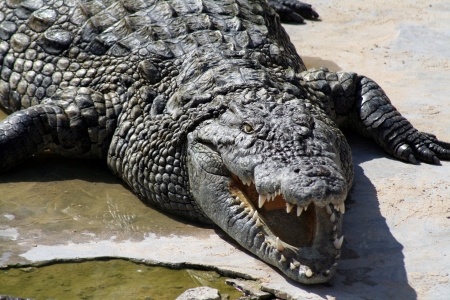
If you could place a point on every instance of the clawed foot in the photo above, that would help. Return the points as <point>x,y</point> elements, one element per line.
<point>425,147</point>
<point>293,11</point>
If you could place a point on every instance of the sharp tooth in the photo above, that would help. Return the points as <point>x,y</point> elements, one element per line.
<point>306,207</point>
<point>338,243</point>
<point>261,200</point>
<point>279,244</point>
<point>295,262</point>
<point>329,211</point>
<point>250,213</point>
<point>327,272</point>
<point>336,207</point>
<point>335,264</point>
<point>334,227</point>
<point>292,266</point>
<point>333,217</point>
<point>255,216</point>
<point>308,273</point>
<point>258,223</point>
<point>242,205</point>
<point>299,210</point>
<point>342,208</point>
<point>338,256</point>
<point>289,207</point>
<point>282,259</point>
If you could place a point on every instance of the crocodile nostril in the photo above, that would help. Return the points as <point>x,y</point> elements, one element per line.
<point>318,171</point>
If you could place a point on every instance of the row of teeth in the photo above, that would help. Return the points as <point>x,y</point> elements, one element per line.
<point>294,264</point>
<point>271,197</point>
<point>249,211</point>
<point>246,182</point>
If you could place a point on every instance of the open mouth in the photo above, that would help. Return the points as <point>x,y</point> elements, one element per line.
<point>303,239</point>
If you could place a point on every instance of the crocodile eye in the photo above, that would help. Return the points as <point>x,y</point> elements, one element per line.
<point>247,128</point>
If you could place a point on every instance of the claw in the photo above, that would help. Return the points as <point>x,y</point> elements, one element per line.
<point>436,160</point>
<point>412,159</point>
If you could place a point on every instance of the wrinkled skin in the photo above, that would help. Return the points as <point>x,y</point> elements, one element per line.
<point>205,110</point>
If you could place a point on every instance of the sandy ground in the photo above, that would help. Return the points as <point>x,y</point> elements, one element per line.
<point>397,225</point>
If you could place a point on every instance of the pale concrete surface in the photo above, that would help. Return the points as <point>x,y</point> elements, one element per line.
<point>397,224</point>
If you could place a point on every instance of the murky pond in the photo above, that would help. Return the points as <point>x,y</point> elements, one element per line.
<point>107,279</point>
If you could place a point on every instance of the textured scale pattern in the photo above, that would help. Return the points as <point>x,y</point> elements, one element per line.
<point>128,58</point>
<point>204,109</point>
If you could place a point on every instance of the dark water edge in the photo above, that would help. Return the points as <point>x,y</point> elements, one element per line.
<point>107,279</point>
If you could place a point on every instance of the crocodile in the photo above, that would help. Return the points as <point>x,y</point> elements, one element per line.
<point>206,111</point>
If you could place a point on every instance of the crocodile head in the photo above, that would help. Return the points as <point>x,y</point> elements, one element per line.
<point>274,177</point>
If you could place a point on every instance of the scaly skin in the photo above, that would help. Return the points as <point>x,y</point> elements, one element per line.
<point>205,110</point>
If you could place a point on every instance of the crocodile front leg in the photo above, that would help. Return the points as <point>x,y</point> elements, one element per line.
<point>359,103</point>
<point>28,132</point>
<point>74,122</point>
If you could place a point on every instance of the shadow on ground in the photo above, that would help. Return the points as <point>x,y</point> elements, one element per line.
<point>372,260</point>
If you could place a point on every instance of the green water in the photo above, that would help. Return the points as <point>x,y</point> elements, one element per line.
<point>109,279</point>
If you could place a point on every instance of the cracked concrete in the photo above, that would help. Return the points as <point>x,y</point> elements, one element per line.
<point>397,222</point>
